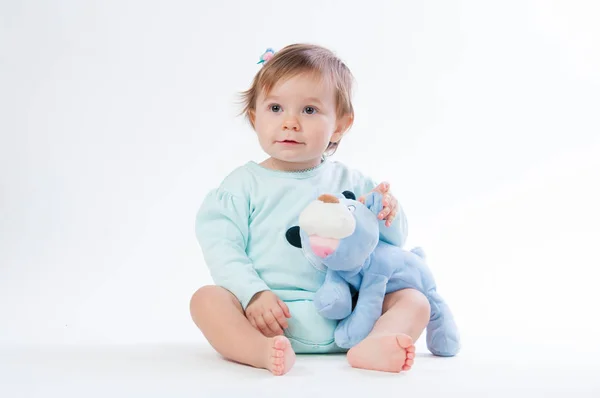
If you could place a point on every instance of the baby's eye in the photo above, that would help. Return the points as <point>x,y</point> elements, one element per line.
<point>351,208</point>
<point>310,110</point>
<point>275,108</point>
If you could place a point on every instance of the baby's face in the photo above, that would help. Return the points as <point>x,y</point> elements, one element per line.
<point>296,120</point>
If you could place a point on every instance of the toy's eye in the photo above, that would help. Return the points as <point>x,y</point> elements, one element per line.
<point>351,208</point>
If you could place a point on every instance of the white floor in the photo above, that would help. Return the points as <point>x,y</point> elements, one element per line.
<point>483,369</point>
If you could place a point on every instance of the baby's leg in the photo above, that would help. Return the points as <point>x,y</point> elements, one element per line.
<point>390,345</point>
<point>221,319</point>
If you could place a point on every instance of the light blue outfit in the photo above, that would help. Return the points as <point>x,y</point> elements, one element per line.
<point>241,228</point>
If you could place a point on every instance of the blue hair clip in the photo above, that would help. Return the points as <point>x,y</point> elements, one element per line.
<point>266,56</point>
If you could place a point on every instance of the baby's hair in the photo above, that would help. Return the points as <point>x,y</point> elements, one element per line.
<point>303,58</point>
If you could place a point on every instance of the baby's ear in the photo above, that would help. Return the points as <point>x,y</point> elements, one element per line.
<point>374,202</point>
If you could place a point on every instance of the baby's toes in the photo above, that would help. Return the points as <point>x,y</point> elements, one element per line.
<point>408,363</point>
<point>278,361</point>
<point>278,370</point>
<point>277,353</point>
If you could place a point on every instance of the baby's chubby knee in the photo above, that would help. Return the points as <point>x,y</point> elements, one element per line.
<point>421,306</point>
<point>412,300</point>
<point>210,296</point>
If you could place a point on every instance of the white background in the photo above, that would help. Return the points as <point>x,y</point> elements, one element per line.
<point>117,117</point>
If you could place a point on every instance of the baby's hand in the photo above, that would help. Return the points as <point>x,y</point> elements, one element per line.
<point>267,313</point>
<point>390,204</point>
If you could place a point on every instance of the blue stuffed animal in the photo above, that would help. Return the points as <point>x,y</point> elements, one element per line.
<point>341,235</point>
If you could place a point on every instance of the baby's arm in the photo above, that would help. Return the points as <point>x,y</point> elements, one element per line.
<point>222,231</point>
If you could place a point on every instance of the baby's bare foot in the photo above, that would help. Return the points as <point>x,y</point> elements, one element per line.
<point>281,357</point>
<point>387,353</point>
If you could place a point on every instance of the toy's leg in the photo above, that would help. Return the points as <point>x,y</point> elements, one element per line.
<point>443,338</point>
<point>390,345</point>
<point>334,300</point>
<point>368,309</point>
<point>219,315</point>
<point>442,334</point>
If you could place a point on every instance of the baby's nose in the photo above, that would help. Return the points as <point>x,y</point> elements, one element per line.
<point>291,123</point>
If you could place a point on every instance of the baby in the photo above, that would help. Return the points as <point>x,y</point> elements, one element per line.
<point>261,311</point>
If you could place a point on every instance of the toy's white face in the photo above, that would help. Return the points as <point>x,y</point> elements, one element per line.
<point>296,121</point>
<point>326,221</point>
<point>338,233</point>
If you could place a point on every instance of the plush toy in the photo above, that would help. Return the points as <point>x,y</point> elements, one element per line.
<point>341,235</point>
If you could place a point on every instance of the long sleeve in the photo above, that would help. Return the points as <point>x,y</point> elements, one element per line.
<point>396,233</point>
<point>222,232</point>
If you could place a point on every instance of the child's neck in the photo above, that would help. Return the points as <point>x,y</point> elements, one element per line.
<point>280,165</point>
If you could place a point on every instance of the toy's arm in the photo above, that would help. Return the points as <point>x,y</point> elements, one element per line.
<point>334,300</point>
<point>396,233</point>
<point>368,309</point>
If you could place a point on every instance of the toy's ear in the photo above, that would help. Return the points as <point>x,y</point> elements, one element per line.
<point>293,237</point>
<point>374,202</point>
<point>349,195</point>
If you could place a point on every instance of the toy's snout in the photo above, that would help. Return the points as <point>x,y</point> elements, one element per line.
<point>326,221</point>
<point>323,247</point>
